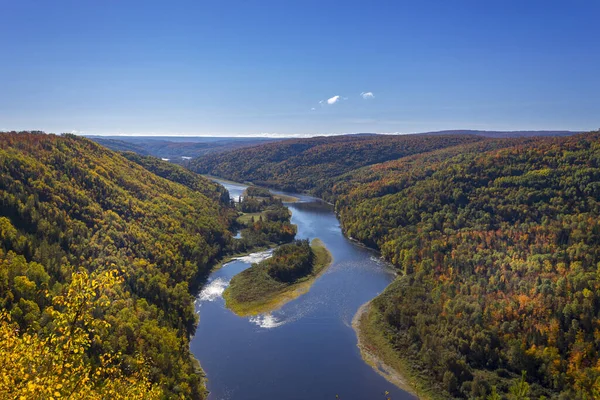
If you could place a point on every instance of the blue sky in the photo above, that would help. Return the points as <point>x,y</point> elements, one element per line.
<point>225,67</point>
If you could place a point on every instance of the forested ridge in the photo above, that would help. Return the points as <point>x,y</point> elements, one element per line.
<point>312,165</point>
<point>498,242</point>
<point>500,252</point>
<point>98,258</point>
<point>176,149</point>
<point>176,173</point>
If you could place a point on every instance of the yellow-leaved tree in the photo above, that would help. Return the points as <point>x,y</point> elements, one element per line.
<point>58,364</point>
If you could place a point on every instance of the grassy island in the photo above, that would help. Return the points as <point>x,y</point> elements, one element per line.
<point>270,284</point>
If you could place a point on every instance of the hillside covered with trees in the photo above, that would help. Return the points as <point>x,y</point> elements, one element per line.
<point>99,257</point>
<point>500,253</point>
<point>312,165</point>
<point>498,245</point>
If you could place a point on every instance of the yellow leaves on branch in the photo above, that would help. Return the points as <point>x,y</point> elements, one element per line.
<point>56,365</point>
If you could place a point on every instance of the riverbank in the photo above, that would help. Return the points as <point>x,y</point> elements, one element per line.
<point>377,351</point>
<point>277,293</point>
<point>216,178</point>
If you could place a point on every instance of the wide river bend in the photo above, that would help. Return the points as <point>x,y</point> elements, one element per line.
<point>307,349</point>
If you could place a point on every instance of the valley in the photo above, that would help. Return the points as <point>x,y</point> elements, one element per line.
<point>488,279</point>
<point>487,237</point>
<point>299,200</point>
<point>309,339</point>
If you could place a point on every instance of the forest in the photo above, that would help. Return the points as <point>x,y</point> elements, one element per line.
<point>99,257</point>
<point>311,165</point>
<point>497,242</point>
<point>291,262</point>
<point>500,254</point>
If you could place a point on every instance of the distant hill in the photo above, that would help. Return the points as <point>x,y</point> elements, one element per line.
<point>120,145</point>
<point>181,149</point>
<point>312,164</point>
<point>502,134</point>
<point>176,149</point>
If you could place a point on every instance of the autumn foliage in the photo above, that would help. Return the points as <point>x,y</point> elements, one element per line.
<point>498,246</point>
<point>56,364</point>
<point>71,209</point>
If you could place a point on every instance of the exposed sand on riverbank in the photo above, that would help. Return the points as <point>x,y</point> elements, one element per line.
<point>370,357</point>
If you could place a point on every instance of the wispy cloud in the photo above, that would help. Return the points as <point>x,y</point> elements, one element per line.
<point>333,99</point>
<point>367,95</point>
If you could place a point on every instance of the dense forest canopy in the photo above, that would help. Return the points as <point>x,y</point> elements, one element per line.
<point>291,261</point>
<point>69,207</point>
<point>498,242</point>
<point>500,251</point>
<point>311,165</point>
<point>181,175</point>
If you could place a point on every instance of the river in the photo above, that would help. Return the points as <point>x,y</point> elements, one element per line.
<point>307,349</point>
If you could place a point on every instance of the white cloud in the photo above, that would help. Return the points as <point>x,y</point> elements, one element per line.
<point>367,95</point>
<point>333,99</point>
<point>312,109</point>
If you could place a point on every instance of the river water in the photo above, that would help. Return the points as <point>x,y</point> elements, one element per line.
<point>307,349</point>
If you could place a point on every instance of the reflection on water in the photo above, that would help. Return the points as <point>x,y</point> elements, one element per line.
<point>307,349</point>
<point>314,208</point>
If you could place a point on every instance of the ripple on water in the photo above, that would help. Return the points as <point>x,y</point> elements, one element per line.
<point>213,290</point>
<point>266,321</point>
<point>256,257</point>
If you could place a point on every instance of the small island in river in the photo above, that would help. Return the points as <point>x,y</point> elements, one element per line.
<point>268,285</point>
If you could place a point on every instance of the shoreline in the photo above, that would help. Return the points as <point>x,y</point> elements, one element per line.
<point>372,359</point>
<point>285,198</point>
<point>376,351</point>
